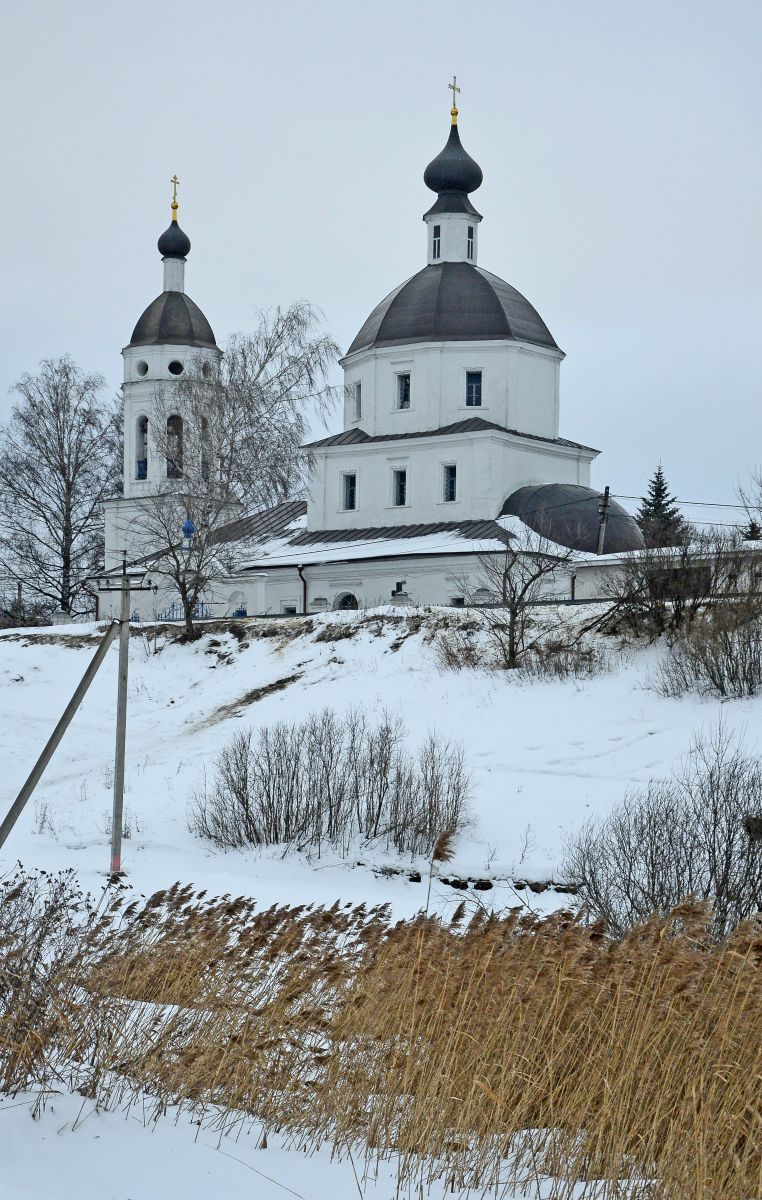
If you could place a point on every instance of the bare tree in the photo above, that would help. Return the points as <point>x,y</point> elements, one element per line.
<point>512,581</point>
<point>57,466</point>
<point>664,588</point>
<point>231,434</point>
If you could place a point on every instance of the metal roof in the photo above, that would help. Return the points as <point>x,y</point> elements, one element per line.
<point>570,515</point>
<point>268,525</point>
<point>352,437</point>
<point>470,530</point>
<point>173,319</point>
<point>454,301</point>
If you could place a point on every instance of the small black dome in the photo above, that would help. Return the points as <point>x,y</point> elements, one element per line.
<point>173,319</point>
<point>453,170</point>
<point>451,302</point>
<point>173,243</point>
<point>569,515</point>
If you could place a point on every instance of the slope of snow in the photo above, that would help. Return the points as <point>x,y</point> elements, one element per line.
<point>543,755</point>
<point>74,1152</point>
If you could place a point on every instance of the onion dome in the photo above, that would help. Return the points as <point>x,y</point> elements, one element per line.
<point>173,243</point>
<point>453,170</point>
<point>570,515</point>
<point>453,302</point>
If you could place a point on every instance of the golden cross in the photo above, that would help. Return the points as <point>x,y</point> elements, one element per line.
<point>175,181</point>
<point>454,88</point>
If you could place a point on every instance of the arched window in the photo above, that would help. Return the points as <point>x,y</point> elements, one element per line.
<point>345,600</point>
<point>141,448</point>
<point>174,447</point>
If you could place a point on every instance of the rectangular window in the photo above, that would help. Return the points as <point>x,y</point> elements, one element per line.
<point>436,241</point>
<point>357,400</point>
<point>473,389</point>
<point>457,601</point>
<point>349,491</point>
<point>450,483</point>
<point>399,488</point>
<point>470,242</point>
<point>403,390</point>
<point>288,610</point>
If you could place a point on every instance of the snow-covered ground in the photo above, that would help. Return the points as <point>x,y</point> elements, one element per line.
<point>80,1153</point>
<point>543,756</point>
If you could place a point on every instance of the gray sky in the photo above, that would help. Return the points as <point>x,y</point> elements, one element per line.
<point>620,145</point>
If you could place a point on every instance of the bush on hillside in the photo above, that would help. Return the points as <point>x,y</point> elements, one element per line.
<point>331,781</point>
<point>561,653</point>
<point>686,835</point>
<point>721,657</point>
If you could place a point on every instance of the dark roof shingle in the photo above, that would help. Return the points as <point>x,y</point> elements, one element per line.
<point>355,437</point>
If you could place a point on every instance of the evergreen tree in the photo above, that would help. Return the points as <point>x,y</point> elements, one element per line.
<point>751,531</point>
<point>658,516</point>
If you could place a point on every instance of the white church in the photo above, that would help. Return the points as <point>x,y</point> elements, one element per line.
<point>451,435</point>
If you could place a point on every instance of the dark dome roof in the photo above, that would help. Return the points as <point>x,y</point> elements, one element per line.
<point>173,243</point>
<point>453,170</point>
<point>172,318</point>
<point>569,514</point>
<point>451,302</point>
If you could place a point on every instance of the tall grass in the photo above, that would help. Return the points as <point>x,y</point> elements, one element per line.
<point>488,1053</point>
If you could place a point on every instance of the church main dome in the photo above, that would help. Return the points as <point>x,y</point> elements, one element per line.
<point>451,302</point>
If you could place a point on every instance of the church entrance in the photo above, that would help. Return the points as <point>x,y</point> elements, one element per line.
<point>345,600</point>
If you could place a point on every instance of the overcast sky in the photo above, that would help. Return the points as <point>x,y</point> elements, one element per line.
<point>620,144</point>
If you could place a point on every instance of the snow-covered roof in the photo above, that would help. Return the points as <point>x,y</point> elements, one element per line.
<point>302,546</point>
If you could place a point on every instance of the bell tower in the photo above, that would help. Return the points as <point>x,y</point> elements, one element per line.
<point>171,338</point>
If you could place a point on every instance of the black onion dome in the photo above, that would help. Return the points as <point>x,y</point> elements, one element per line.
<point>453,170</point>
<point>569,514</point>
<point>453,302</point>
<point>173,319</point>
<point>173,243</point>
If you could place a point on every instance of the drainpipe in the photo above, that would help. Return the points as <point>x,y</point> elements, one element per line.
<point>304,589</point>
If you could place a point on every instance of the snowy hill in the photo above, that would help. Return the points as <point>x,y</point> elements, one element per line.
<point>543,755</point>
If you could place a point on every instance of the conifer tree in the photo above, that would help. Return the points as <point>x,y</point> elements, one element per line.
<point>658,516</point>
<point>752,530</point>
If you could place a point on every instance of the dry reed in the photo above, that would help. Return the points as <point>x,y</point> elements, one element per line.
<point>486,1055</point>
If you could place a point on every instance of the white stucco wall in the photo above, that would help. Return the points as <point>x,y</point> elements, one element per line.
<point>520,386</point>
<point>453,237</point>
<point>490,466</point>
<point>426,580</point>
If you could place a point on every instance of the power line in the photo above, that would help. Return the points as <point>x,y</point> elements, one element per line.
<point>334,548</point>
<point>692,503</point>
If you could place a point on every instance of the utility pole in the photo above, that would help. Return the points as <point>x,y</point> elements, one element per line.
<point>20,802</point>
<point>604,513</point>
<point>117,818</point>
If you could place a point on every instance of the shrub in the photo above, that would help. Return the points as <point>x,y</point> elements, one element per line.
<point>722,657</point>
<point>330,780</point>
<point>555,659</point>
<point>681,836</point>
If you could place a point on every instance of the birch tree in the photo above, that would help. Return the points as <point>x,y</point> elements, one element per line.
<point>58,463</point>
<point>231,434</point>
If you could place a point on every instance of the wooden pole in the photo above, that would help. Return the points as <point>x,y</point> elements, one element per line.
<point>117,818</point>
<point>34,778</point>
<point>604,511</point>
